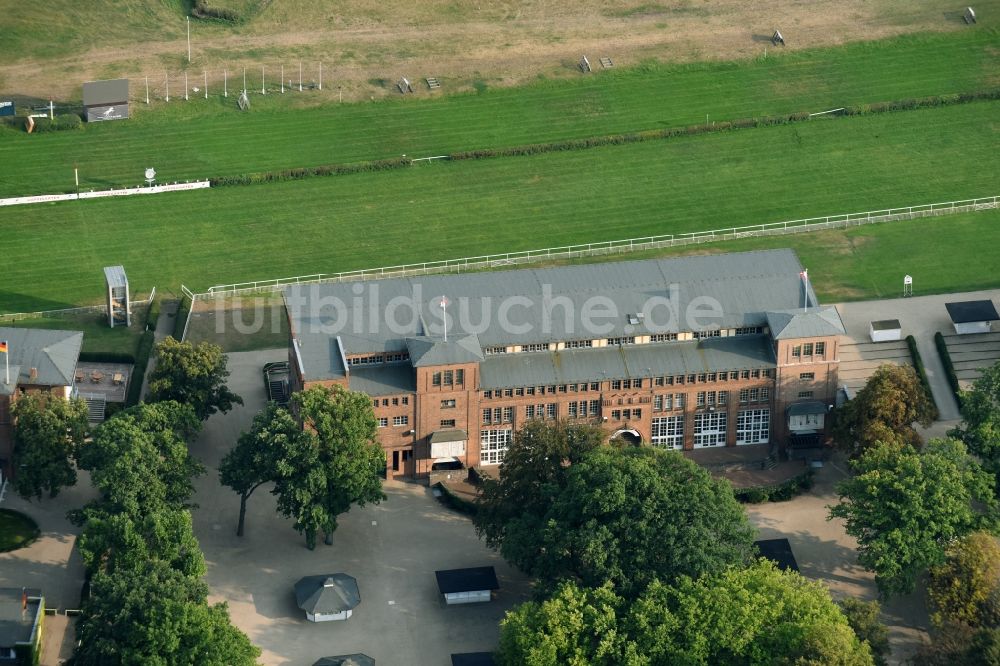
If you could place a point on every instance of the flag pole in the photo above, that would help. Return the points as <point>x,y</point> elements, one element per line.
<point>805,289</point>
<point>444,316</point>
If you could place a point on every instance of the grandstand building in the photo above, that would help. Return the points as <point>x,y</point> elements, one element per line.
<point>684,353</point>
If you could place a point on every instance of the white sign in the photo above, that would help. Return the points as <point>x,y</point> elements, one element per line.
<point>908,279</point>
<point>448,449</point>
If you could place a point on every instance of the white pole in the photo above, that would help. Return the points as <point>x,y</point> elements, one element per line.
<point>168,87</point>
<point>147,90</point>
<point>51,110</point>
<point>185,86</point>
<point>189,37</point>
<point>444,316</point>
<point>282,79</point>
<point>244,80</point>
<point>300,77</point>
<point>206,83</point>
<point>262,90</point>
<point>340,91</point>
<point>321,76</point>
<point>76,176</point>
<point>805,289</point>
<point>225,83</point>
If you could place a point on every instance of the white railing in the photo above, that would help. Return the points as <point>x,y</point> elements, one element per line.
<point>15,316</point>
<point>611,247</point>
<point>123,192</point>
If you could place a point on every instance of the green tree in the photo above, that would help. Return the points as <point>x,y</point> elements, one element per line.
<point>980,428</point>
<point>628,516</point>
<point>139,460</point>
<point>111,543</point>
<point>260,455</point>
<point>336,465</point>
<point>755,615</point>
<point>47,433</point>
<point>863,616</point>
<point>575,627</point>
<point>738,616</point>
<point>905,506</point>
<point>965,588</point>
<point>193,375</point>
<point>157,616</point>
<point>884,410</point>
<point>534,469</point>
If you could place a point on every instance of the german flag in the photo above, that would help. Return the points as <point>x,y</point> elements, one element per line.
<point>3,346</point>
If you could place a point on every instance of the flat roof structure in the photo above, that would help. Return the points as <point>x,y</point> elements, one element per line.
<point>472,659</point>
<point>20,613</point>
<point>967,312</point>
<point>472,579</point>
<point>886,325</point>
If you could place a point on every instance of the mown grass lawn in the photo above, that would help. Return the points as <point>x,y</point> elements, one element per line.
<point>448,210</point>
<point>16,530</point>
<point>206,138</point>
<point>98,337</point>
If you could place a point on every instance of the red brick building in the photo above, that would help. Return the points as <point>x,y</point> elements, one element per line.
<point>37,360</point>
<point>682,353</point>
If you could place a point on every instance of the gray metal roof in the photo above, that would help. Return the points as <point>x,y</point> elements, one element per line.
<point>52,353</point>
<point>16,626</point>
<point>327,593</point>
<point>809,323</point>
<point>571,366</point>
<point>967,312</point>
<point>389,379</point>
<point>807,407</point>
<point>357,659</point>
<point>115,276</point>
<point>112,91</point>
<point>426,351</point>
<point>451,435</point>
<point>551,303</point>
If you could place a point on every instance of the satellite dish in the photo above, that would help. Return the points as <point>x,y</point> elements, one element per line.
<point>150,174</point>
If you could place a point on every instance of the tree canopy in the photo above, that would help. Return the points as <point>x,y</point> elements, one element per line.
<point>980,428</point>
<point>193,375</point>
<point>48,431</point>
<point>336,464</point>
<point>112,543</point>
<point>754,615</point>
<point>624,515</point>
<point>965,589</point>
<point>904,506</point>
<point>270,448</point>
<point>884,410</point>
<point>157,616</point>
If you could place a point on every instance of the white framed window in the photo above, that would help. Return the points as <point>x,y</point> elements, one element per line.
<point>753,426</point>
<point>447,423</point>
<point>626,340</point>
<point>550,410</point>
<point>493,446</point>
<point>579,344</point>
<point>487,415</point>
<point>663,337</point>
<point>508,414</point>
<point>668,432</point>
<point>572,410</point>
<point>529,411</point>
<point>595,407</point>
<point>400,420</point>
<point>383,422</point>
<point>535,347</point>
<point>710,429</point>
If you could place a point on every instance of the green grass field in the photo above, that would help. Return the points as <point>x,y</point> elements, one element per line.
<point>98,337</point>
<point>447,210</point>
<point>206,138</point>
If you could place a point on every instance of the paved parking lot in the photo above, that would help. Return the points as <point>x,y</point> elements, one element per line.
<point>392,549</point>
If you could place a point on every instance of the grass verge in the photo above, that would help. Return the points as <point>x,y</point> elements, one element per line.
<point>16,530</point>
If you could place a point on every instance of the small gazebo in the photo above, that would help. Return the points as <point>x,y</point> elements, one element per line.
<point>327,597</point>
<point>346,660</point>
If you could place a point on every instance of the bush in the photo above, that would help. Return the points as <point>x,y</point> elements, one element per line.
<point>918,365</point>
<point>65,121</point>
<point>153,314</point>
<point>455,502</point>
<point>181,318</point>
<point>780,492</point>
<point>949,368</point>
<point>139,373</point>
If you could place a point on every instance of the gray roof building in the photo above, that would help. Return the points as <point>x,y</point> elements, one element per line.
<point>39,357</point>
<point>805,323</point>
<point>541,305</point>
<point>20,617</point>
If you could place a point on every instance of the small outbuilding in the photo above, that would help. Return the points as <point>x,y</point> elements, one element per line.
<point>972,316</point>
<point>467,586</point>
<point>885,330</point>
<point>346,660</point>
<point>472,659</point>
<point>778,551</point>
<point>327,597</point>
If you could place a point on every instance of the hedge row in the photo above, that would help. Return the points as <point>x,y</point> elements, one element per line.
<point>203,10</point>
<point>64,121</point>
<point>918,365</point>
<point>949,368</point>
<point>604,140</point>
<point>307,172</point>
<point>107,357</point>
<point>455,502</point>
<point>139,372</point>
<point>780,492</point>
<point>153,314</point>
<point>180,319</point>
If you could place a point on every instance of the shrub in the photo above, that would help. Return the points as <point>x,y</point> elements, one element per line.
<point>949,368</point>
<point>139,373</point>
<point>780,492</point>
<point>455,502</point>
<point>181,318</point>
<point>153,314</point>
<point>918,365</point>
